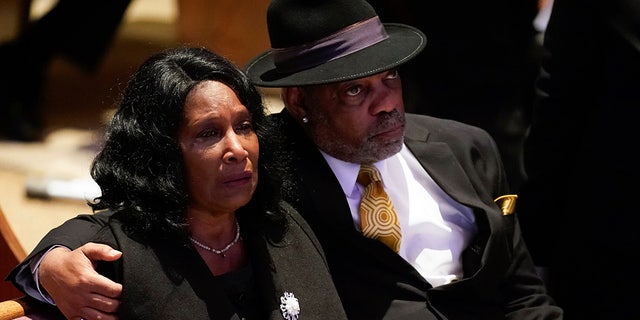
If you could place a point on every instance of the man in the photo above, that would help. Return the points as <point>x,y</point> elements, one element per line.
<point>460,255</point>
<point>79,31</point>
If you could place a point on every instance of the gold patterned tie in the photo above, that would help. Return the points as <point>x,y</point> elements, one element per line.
<point>378,218</point>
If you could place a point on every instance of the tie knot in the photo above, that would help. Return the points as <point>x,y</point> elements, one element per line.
<point>367,174</point>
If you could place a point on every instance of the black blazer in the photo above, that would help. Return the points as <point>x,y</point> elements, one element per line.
<point>500,281</point>
<point>171,281</point>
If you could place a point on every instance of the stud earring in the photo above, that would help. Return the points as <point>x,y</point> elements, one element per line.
<point>305,120</point>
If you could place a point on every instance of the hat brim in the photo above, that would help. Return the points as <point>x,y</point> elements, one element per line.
<point>404,42</point>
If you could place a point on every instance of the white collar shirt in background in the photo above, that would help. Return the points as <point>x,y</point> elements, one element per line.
<point>435,228</point>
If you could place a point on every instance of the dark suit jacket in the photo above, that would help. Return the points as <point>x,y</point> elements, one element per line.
<point>375,283</point>
<point>171,281</point>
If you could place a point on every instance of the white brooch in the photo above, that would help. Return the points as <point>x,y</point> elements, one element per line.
<point>289,306</point>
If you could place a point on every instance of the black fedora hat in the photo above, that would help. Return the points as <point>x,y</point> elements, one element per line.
<point>325,41</point>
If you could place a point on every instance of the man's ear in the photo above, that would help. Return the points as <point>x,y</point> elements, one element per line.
<point>293,99</point>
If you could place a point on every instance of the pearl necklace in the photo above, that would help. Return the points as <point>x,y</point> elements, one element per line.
<point>223,250</point>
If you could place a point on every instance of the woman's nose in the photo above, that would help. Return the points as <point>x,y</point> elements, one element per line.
<point>235,150</point>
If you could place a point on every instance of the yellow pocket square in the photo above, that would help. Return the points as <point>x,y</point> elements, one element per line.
<point>507,203</point>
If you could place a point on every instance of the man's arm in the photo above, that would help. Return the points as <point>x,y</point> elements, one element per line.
<point>67,278</point>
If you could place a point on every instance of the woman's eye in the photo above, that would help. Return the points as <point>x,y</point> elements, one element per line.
<point>245,127</point>
<point>208,133</point>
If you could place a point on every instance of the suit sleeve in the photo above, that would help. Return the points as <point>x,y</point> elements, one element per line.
<point>524,291</point>
<point>73,233</point>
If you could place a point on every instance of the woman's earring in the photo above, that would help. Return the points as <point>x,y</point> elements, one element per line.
<point>305,120</point>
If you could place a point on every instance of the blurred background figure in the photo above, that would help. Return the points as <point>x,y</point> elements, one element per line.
<point>479,66</point>
<point>80,31</point>
<point>578,208</point>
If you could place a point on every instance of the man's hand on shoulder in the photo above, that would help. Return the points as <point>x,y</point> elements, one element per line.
<point>71,280</point>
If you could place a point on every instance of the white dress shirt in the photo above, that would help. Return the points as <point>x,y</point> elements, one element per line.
<point>435,228</point>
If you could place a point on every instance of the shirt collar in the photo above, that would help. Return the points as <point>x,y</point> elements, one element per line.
<point>347,172</point>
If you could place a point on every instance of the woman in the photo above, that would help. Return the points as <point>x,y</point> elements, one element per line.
<point>201,237</point>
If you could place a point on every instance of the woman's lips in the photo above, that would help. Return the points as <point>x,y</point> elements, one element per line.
<point>238,179</point>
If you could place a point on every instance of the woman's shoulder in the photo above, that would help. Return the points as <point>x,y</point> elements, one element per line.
<point>299,228</point>
<point>295,218</point>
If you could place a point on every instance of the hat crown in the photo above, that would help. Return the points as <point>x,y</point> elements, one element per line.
<point>296,22</point>
<point>328,41</point>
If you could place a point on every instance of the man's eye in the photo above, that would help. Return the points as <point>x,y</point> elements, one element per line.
<point>355,90</point>
<point>392,74</point>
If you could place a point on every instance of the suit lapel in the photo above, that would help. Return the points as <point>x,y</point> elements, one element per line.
<point>449,173</point>
<point>438,160</point>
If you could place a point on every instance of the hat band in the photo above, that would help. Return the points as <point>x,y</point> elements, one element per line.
<point>348,40</point>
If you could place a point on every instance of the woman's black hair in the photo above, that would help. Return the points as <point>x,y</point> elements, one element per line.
<point>140,169</point>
